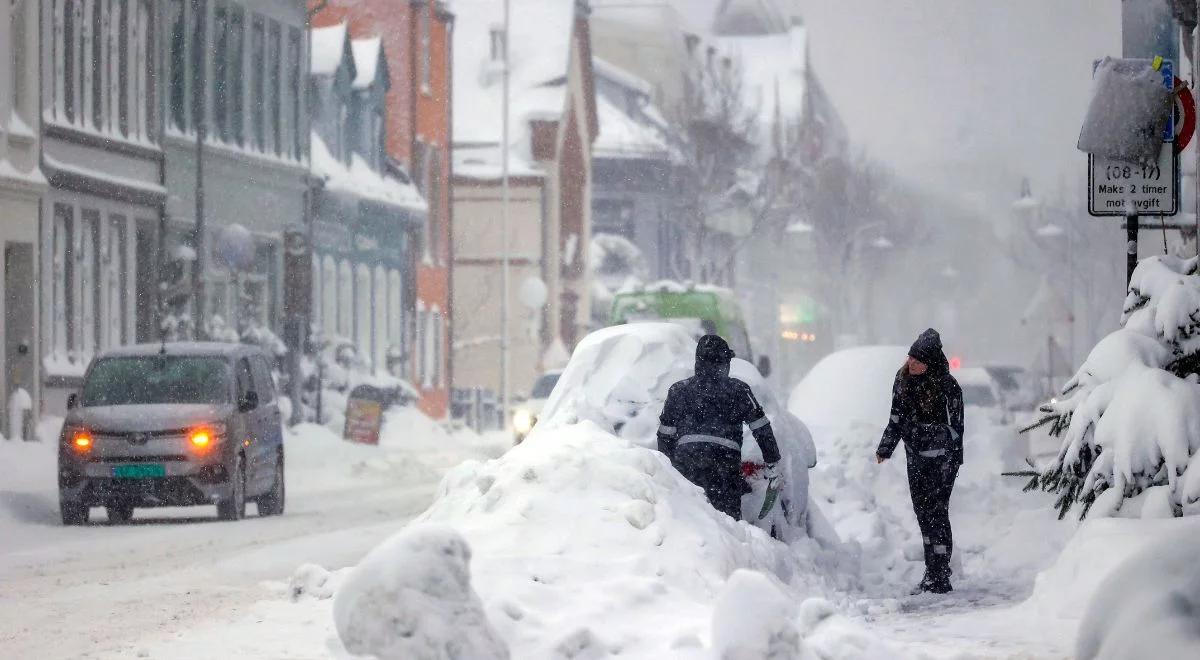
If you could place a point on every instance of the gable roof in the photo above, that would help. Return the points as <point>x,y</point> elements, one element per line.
<point>369,62</point>
<point>329,47</point>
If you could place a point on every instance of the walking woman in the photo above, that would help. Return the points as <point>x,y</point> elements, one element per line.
<point>927,414</point>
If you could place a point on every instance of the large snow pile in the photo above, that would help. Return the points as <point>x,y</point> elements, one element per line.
<point>1129,586</point>
<point>618,379</point>
<point>411,598</point>
<point>586,545</point>
<point>1129,420</point>
<point>1149,607</point>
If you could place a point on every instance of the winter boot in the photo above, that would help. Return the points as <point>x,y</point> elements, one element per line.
<point>925,585</point>
<point>940,585</point>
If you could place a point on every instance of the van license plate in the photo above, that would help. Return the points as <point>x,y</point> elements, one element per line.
<point>141,471</point>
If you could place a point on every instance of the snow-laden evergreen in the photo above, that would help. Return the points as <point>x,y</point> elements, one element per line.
<point>1129,420</point>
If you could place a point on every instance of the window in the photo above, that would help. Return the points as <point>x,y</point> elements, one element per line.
<point>345,300</point>
<point>69,54</point>
<point>379,310</point>
<point>220,75</point>
<point>264,382</point>
<point>294,92</point>
<point>433,193</point>
<point>422,332</point>
<point>329,292</point>
<point>273,64</point>
<point>62,312</point>
<point>84,284</point>
<point>317,313</point>
<point>438,339</point>
<point>199,47</point>
<point>178,59</point>
<point>123,100</point>
<point>395,307</point>
<point>245,382</point>
<point>236,78</point>
<point>362,311</point>
<point>99,68</point>
<point>258,93</point>
<point>423,17</point>
<point>113,271</point>
<point>17,56</point>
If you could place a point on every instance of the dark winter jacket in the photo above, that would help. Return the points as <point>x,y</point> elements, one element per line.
<point>927,410</point>
<point>711,407</point>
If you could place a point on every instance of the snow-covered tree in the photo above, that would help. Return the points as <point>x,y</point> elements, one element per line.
<point>1129,420</point>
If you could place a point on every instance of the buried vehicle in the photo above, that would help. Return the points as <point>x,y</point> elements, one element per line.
<point>173,425</point>
<point>618,379</point>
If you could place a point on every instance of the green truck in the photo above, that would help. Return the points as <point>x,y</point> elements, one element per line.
<point>701,310</point>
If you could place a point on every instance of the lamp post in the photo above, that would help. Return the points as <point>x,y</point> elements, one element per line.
<point>504,221</point>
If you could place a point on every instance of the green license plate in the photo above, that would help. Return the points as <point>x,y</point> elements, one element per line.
<point>140,471</point>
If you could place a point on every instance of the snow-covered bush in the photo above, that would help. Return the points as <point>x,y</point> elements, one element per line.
<point>1129,420</point>
<point>411,599</point>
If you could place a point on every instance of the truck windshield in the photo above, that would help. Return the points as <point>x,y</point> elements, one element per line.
<point>125,381</point>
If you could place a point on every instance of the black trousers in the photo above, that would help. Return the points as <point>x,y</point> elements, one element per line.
<point>716,469</point>
<point>930,482</point>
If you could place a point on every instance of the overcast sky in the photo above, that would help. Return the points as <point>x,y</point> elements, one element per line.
<point>965,96</point>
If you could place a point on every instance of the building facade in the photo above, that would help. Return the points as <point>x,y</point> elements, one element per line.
<point>416,40</point>
<point>367,218</point>
<point>234,73</point>
<point>22,187</point>
<point>552,126</point>
<point>102,154</point>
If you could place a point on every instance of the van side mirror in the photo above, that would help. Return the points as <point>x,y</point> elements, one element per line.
<point>72,401</point>
<point>248,402</point>
<point>764,366</point>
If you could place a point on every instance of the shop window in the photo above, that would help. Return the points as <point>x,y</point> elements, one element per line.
<point>362,309</point>
<point>345,326</point>
<point>177,58</point>
<point>379,333</point>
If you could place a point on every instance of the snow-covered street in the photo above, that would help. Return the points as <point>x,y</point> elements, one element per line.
<point>108,591</point>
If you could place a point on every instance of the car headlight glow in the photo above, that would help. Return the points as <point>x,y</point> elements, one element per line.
<point>523,421</point>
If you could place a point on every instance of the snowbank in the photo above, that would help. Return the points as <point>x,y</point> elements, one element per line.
<point>586,544</point>
<point>411,598</point>
<point>1149,606</point>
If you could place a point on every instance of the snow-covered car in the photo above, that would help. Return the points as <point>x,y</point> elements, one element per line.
<point>982,394</point>
<point>525,414</point>
<point>172,425</point>
<point>618,379</point>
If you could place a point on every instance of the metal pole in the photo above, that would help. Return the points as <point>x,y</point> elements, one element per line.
<point>1147,29</point>
<point>199,264</point>
<point>504,274</point>
<point>1196,148</point>
<point>1131,247</point>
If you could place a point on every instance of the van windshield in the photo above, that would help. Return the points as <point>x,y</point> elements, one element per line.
<point>124,381</point>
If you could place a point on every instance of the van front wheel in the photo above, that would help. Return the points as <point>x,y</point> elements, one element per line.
<point>234,507</point>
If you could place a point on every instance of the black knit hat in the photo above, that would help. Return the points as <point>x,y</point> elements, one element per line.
<point>711,348</point>
<point>928,348</point>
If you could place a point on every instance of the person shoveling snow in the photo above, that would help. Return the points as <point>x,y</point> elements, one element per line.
<point>927,414</point>
<point>701,430</point>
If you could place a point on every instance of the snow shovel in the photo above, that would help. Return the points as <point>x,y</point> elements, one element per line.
<point>773,488</point>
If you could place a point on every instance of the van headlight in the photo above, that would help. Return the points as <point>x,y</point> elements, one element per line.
<point>523,421</point>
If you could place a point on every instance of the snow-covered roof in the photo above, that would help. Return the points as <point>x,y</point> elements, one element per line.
<point>773,70</point>
<point>539,48</point>
<point>623,136</point>
<point>604,69</point>
<point>482,162</point>
<point>367,54</point>
<point>328,48</point>
<point>359,179</point>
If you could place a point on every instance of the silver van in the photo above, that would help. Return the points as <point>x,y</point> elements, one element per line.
<point>174,424</point>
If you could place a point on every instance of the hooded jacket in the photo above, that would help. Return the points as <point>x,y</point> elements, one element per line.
<point>711,407</point>
<point>927,410</point>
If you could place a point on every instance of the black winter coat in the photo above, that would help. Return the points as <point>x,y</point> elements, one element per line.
<point>711,407</point>
<point>927,414</point>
